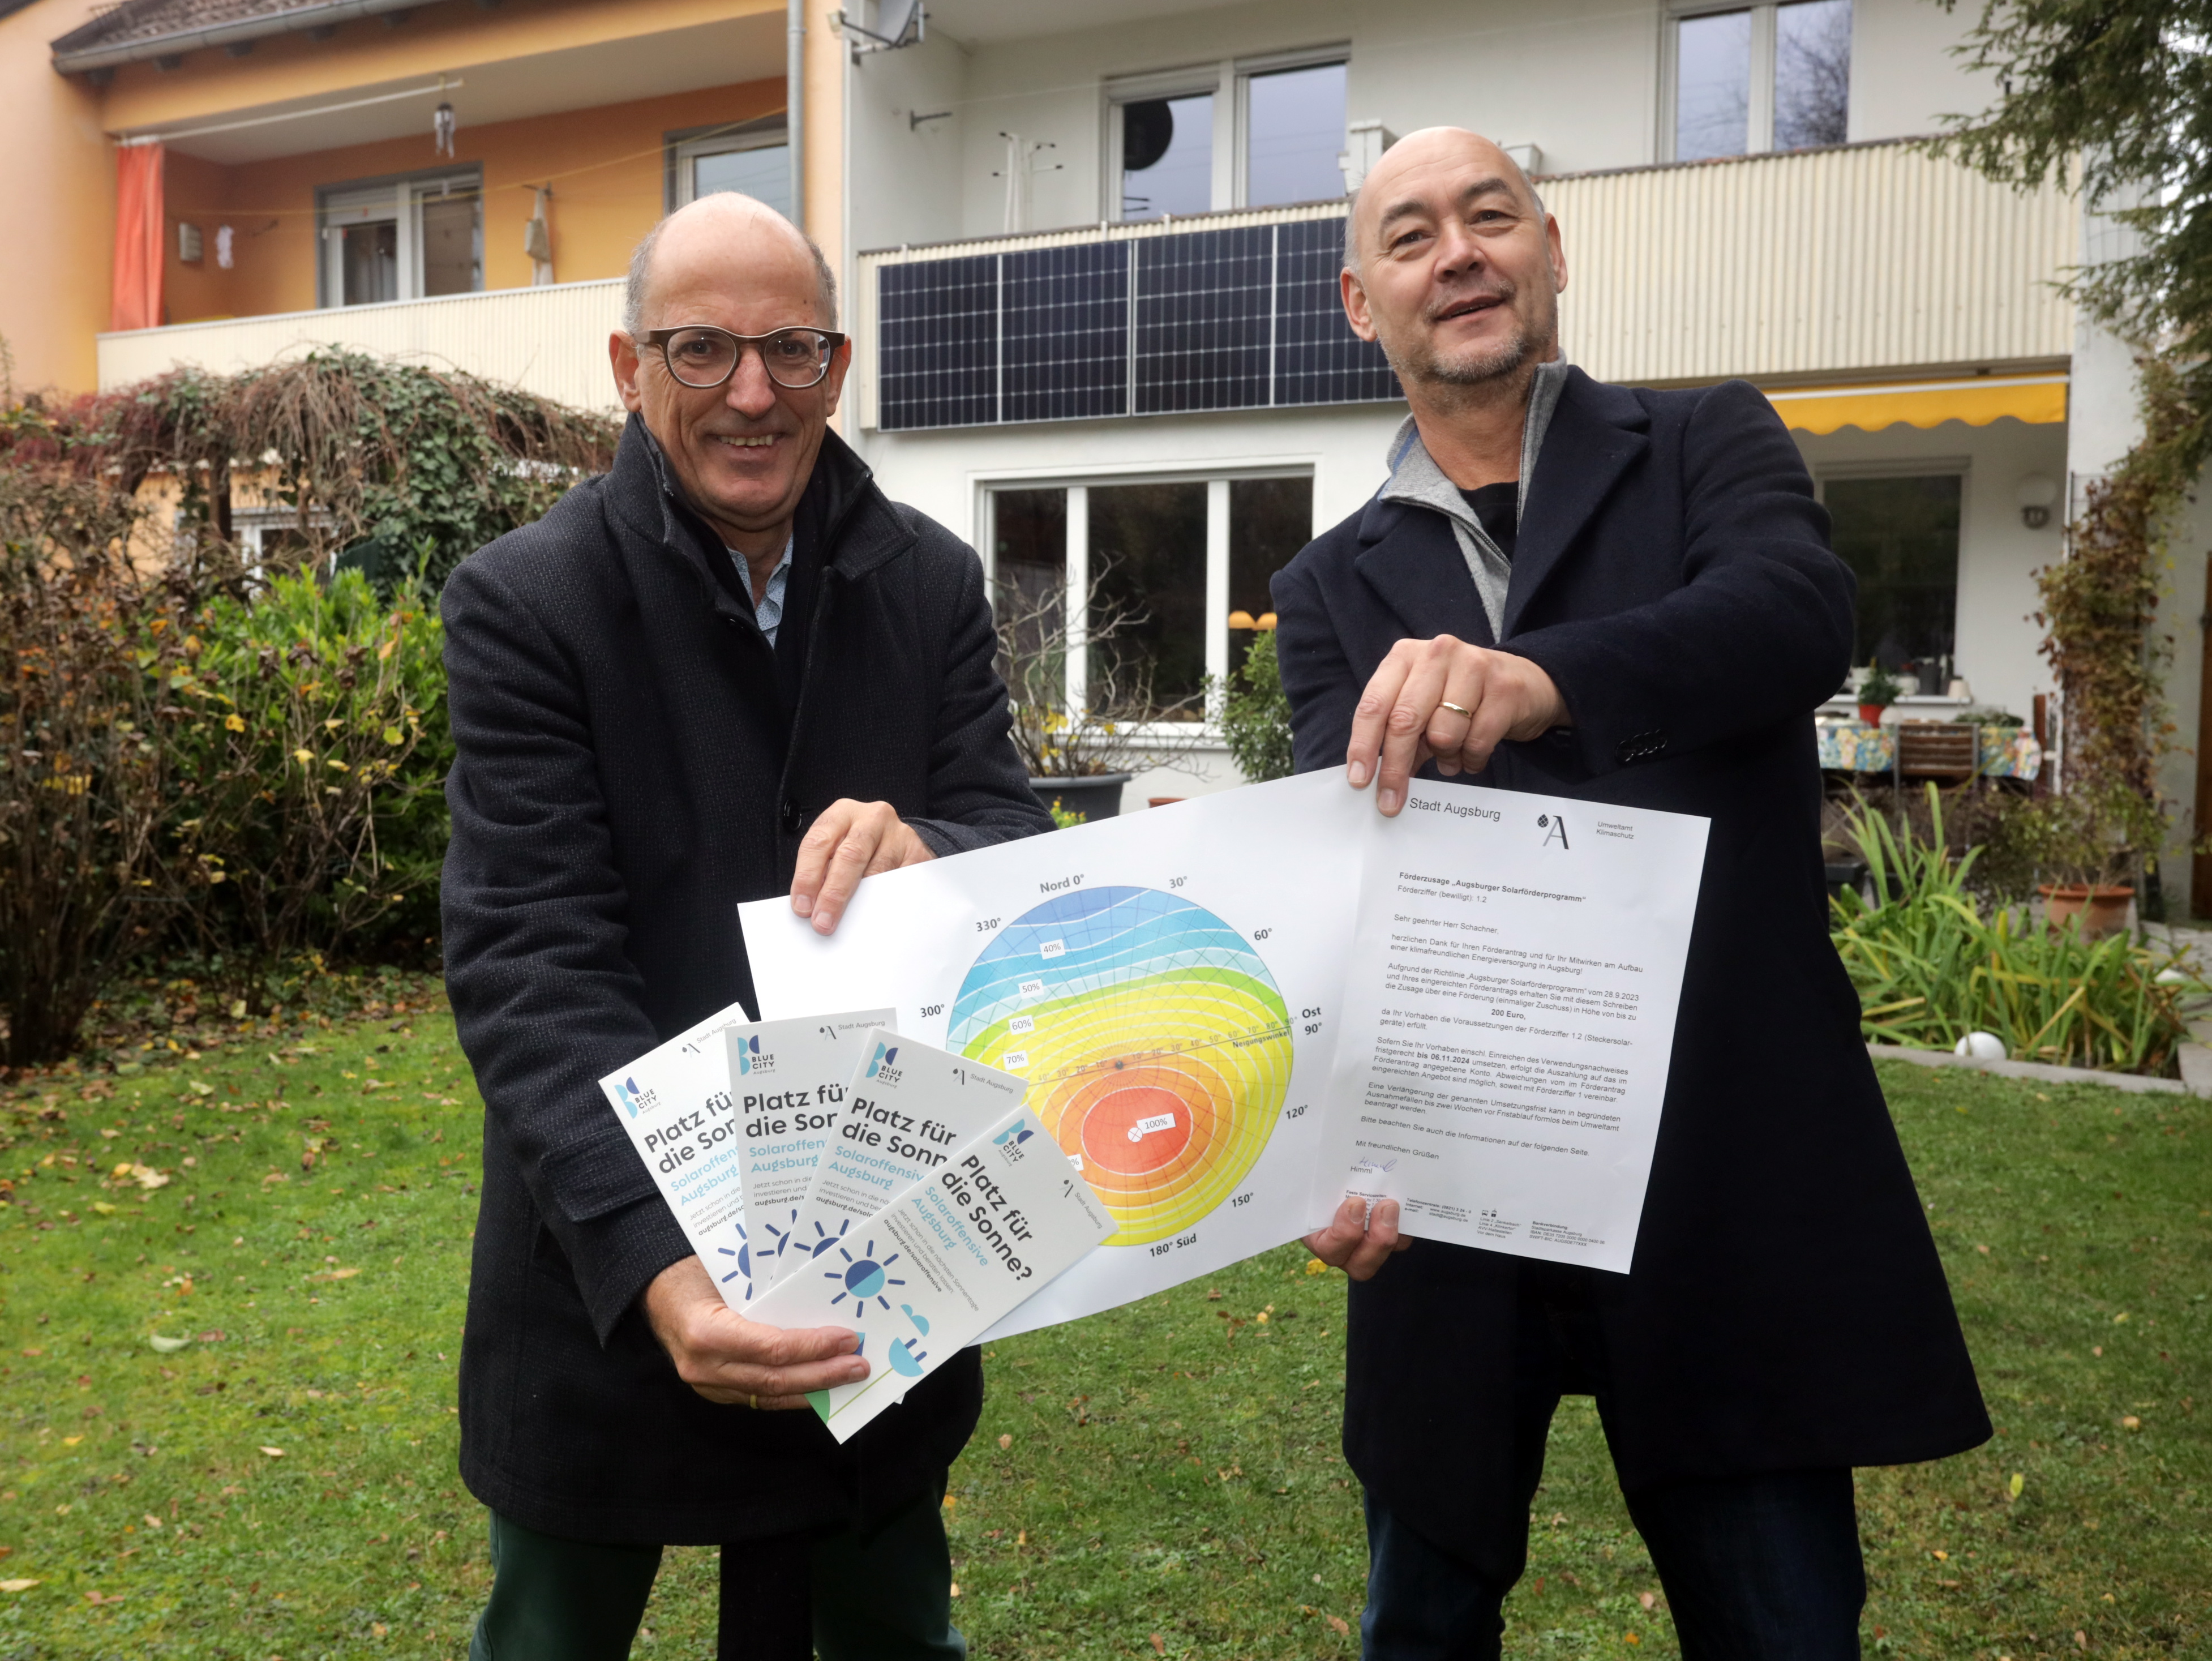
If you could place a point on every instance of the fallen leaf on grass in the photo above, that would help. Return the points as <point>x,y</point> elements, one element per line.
<point>1343,1627</point>
<point>335,1274</point>
<point>1159,1644</point>
<point>103,1207</point>
<point>2017,1483</point>
<point>1005,1441</point>
<point>17,1586</point>
<point>167,1345</point>
<point>1646,1599</point>
<point>274,1454</point>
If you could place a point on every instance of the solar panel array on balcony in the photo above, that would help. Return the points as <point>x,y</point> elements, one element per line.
<point>1240,319</point>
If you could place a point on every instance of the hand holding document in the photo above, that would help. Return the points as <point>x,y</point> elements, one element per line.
<point>946,1259</point>
<point>1180,1038</point>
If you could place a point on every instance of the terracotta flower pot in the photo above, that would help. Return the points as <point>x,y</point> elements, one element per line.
<point>1871,713</point>
<point>2103,908</point>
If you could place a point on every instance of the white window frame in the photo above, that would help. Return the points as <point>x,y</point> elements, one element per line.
<point>1216,478</point>
<point>400,199</point>
<point>1228,81</point>
<point>686,147</point>
<point>1759,127</point>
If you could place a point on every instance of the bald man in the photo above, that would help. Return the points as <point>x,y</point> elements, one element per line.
<point>728,669</point>
<point>1619,596</point>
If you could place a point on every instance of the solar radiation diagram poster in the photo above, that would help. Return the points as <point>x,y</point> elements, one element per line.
<point>1164,983</point>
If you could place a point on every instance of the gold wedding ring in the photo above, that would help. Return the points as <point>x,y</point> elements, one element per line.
<point>755,1401</point>
<point>1456,708</point>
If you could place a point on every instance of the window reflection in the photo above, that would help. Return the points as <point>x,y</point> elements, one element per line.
<point>1713,86</point>
<point>1812,74</point>
<point>1901,536</point>
<point>763,173</point>
<point>1148,598</point>
<point>1167,156</point>
<point>1294,134</point>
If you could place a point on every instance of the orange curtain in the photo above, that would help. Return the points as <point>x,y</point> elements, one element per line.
<point>139,227</point>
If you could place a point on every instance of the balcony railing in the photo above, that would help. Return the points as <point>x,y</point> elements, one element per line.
<point>1861,259</point>
<point>551,341</point>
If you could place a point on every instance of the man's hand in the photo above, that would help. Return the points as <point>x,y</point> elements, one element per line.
<point>1359,1242</point>
<point>850,840</point>
<point>730,1360</point>
<point>1402,721</point>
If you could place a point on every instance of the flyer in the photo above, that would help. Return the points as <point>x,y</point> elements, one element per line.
<point>947,1259</point>
<point>909,1109</point>
<point>676,1097</point>
<point>787,1083</point>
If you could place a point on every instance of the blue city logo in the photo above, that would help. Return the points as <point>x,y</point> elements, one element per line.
<point>749,1054</point>
<point>879,1063</point>
<point>634,1100</point>
<point>1014,1134</point>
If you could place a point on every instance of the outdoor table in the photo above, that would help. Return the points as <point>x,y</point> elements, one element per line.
<point>1853,746</point>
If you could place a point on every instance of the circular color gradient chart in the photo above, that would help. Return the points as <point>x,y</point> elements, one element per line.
<point>1157,1046</point>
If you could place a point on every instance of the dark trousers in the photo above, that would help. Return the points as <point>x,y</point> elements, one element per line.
<point>884,1596</point>
<point>1762,1567</point>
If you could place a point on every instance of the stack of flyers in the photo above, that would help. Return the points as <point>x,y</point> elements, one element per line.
<point>944,1261</point>
<point>676,1103</point>
<point>909,1109</point>
<point>788,1081</point>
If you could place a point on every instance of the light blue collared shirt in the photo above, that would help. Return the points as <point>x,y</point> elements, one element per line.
<point>770,612</point>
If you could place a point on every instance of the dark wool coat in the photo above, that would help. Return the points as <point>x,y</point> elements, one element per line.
<point>634,759</point>
<point>1785,1308</point>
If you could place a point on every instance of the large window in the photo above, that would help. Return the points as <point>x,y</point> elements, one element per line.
<point>753,158</point>
<point>1173,153</point>
<point>1771,77</point>
<point>1164,583</point>
<point>403,239</point>
<point>1900,535</point>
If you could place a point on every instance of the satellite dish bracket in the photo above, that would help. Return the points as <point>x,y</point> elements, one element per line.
<point>909,33</point>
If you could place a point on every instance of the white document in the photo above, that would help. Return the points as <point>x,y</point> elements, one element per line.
<point>947,1259</point>
<point>787,1083</point>
<point>909,1109</point>
<point>1508,1019</point>
<point>1182,989</point>
<point>675,1097</point>
<point>1167,985</point>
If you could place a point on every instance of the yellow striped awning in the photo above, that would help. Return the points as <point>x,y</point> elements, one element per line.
<point>2039,400</point>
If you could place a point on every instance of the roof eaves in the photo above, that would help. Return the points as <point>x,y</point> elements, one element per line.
<point>91,52</point>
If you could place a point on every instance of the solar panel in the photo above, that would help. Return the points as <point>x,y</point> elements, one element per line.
<point>937,344</point>
<point>1238,318</point>
<point>1067,332</point>
<point>1203,304</point>
<point>1318,360</point>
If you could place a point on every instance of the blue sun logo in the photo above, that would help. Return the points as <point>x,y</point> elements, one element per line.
<point>863,1278</point>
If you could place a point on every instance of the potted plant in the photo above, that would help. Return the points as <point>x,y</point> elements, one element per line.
<point>1878,690</point>
<point>1078,757</point>
<point>2068,837</point>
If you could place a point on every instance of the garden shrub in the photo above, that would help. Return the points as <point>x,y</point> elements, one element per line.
<point>83,764</point>
<point>309,774</point>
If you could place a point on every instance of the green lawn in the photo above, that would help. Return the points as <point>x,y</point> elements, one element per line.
<point>1160,1481</point>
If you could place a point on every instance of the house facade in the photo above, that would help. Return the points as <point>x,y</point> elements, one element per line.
<point>1089,251</point>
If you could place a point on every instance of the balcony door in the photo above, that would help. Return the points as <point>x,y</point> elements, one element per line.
<point>752,158</point>
<point>403,239</point>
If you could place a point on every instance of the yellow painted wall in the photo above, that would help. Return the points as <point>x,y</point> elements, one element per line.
<point>605,165</point>
<point>429,42</point>
<point>60,201</point>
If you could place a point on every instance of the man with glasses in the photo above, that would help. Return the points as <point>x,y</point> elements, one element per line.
<point>728,668</point>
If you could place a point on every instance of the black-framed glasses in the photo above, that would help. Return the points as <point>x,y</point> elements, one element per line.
<point>703,356</point>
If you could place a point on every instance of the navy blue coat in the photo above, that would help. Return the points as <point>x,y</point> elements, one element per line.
<point>1785,1308</point>
<point>634,759</point>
